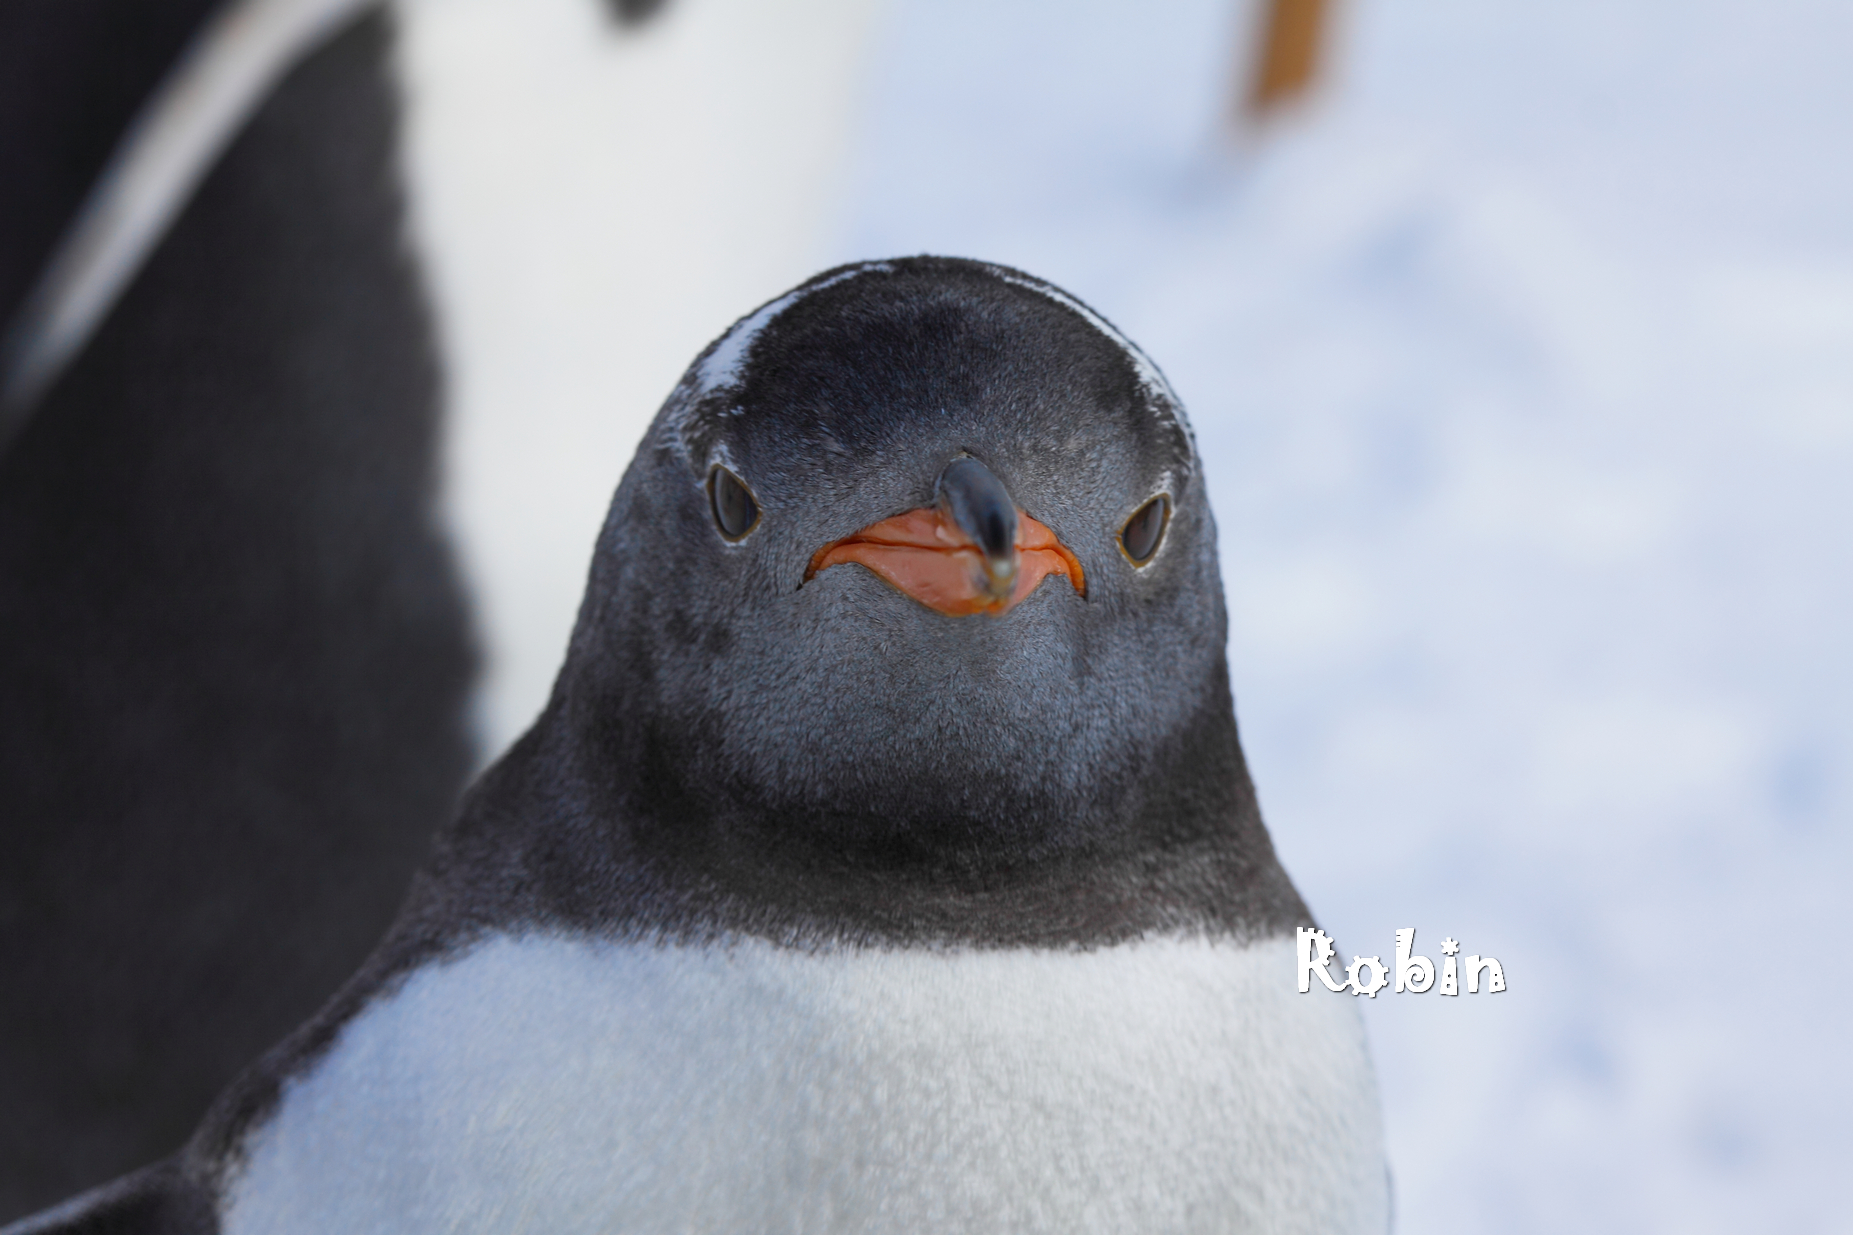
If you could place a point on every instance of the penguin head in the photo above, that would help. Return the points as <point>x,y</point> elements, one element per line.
<point>914,569</point>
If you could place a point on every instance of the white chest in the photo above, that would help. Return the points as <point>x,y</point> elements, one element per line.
<point>552,1085</point>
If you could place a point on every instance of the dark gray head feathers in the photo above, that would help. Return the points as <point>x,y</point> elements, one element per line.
<point>730,747</point>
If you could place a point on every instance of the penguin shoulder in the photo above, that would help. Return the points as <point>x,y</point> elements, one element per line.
<point>158,1200</point>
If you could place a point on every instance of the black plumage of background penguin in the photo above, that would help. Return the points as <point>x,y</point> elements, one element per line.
<point>237,661</point>
<point>873,864</point>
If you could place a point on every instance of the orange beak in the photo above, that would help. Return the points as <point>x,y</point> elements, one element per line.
<point>927,555</point>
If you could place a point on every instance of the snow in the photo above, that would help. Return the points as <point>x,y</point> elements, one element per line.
<point>1522,365</point>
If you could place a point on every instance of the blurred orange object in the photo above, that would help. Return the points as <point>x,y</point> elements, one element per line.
<point>1289,54</point>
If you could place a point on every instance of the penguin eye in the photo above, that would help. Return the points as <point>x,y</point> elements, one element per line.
<point>735,511</point>
<point>1139,538</point>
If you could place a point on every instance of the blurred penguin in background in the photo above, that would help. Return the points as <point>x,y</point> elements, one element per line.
<point>312,308</point>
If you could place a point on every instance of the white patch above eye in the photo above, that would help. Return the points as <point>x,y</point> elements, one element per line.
<point>1165,488</point>
<point>1157,389</point>
<point>722,366</point>
<point>554,1084</point>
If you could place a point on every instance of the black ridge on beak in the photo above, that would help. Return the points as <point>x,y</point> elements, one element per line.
<point>971,497</point>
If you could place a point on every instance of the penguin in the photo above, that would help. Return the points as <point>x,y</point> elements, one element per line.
<point>885,856</point>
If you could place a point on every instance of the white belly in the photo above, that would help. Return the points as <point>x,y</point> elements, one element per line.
<point>549,1084</point>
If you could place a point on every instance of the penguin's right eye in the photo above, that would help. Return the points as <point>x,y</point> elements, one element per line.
<point>735,511</point>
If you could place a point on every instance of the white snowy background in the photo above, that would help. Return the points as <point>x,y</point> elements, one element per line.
<point>1522,366</point>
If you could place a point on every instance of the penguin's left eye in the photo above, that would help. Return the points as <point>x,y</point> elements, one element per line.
<point>1139,538</point>
<point>735,511</point>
